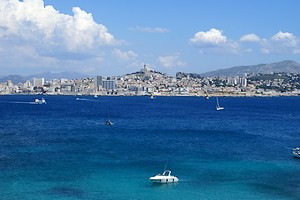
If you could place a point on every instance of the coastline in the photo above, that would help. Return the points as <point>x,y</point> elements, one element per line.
<point>160,95</point>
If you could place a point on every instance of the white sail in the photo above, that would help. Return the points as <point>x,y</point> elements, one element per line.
<point>218,107</point>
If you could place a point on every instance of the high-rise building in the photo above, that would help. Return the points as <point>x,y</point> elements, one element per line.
<point>10,83</point>
<point>27,84</point>
<point>98,81</point>
<point>109,85</point>
<point>241,81</point>
<point>38,82</point>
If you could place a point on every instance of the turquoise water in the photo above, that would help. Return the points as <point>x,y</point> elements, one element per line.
<point>63,150</point>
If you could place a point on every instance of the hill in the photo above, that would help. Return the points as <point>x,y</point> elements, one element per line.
<point>286,66</point>
<point>47,75</point>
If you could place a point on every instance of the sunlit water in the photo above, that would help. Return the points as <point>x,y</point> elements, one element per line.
<point>63,150</point>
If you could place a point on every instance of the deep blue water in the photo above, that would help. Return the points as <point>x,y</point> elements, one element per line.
<point>63,150</point>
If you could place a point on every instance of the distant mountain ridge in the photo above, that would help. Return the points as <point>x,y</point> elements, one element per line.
<point>47,75</point>
<point>286,66</point>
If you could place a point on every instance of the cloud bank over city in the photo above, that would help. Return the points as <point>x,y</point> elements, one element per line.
<point>37,36</point>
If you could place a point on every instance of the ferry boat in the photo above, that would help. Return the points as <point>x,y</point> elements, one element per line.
<point>165,177</point>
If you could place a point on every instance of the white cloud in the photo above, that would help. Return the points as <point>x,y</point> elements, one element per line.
<point>150,30</point>
<point>250,38</point>
<point>211,37</point>
<point>46,29</point>
<point>124,55</point>
<point>170,61</point>
<point>214,41</point>
<point>281,36</point>
<point>281,43</point>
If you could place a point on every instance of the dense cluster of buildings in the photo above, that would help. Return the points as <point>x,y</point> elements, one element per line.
<point>149,82</point>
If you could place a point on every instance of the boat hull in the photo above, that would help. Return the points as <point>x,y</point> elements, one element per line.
<point>164,179</point>
<point>296,155</point>
<point>219,108</point>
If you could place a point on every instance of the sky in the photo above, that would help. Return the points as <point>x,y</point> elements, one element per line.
<point>117,37</point>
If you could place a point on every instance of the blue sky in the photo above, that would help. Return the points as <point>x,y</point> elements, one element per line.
<point>115,37</point>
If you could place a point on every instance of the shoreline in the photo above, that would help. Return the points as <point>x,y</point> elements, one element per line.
<point>158,95</point>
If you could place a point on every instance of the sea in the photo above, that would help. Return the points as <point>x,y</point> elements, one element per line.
<point>63,150</point>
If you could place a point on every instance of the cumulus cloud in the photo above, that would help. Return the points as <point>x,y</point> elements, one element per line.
<point>124,55</point>
<point>150,30</point>
<point>281,43</point>
<point>214,40</point>
<point>250,38</point>
<point>170,61</point>
<point>211,37</point>
<point>46,29</point>
<point>281,36</point>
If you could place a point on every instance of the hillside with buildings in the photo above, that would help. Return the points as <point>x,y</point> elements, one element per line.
<point>150,82</point>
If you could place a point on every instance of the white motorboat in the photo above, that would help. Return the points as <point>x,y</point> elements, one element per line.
<point>165,177</point>
<point>40,101</point>
<point>296,152</point>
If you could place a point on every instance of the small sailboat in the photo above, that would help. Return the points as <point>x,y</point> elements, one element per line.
<point>206,96</point>
<point>218,107</point>
<point>108,122</point>
<point>165,177</point>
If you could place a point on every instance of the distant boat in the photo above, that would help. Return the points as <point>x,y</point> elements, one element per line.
<point>206,96</point>
<point>296,152</point>
<point>165,177</point>
<point>108,122</point>
<point>95,96</point>
<point>218,107</point>
<point>152,96</point>
<point>40,101</point>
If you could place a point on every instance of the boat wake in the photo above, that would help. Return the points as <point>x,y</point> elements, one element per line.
<point>22,102</point>
<point>83,99</point>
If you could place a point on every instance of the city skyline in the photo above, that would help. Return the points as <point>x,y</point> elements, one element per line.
<point>115,38</point>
